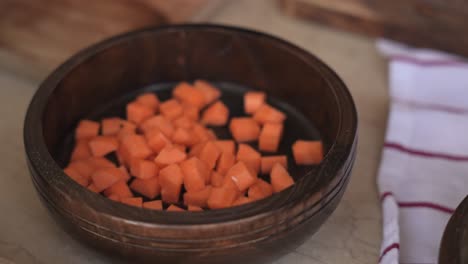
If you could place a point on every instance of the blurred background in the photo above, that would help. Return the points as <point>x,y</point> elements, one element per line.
<point>37,35</point>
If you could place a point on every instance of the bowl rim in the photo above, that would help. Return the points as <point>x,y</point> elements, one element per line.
<point>42,162</point>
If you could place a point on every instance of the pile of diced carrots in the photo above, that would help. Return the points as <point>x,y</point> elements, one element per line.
<point>168,157</point>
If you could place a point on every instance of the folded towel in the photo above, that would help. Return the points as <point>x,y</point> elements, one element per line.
<point>423,174</point>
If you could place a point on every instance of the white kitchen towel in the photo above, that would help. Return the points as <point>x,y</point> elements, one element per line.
<point>423,174</point>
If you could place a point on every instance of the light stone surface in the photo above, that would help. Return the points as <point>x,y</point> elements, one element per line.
<point>351,235</point>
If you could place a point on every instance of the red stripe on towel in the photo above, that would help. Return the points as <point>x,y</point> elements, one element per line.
<point>422,153</point>
<point>389,248</point>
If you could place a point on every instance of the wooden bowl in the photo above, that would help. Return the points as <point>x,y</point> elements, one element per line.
<point>253,233</point>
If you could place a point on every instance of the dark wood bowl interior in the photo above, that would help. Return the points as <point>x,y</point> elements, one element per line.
<point>115,70</point>
<point>454,243</point>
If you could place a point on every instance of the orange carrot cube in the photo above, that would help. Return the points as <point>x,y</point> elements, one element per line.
<point>249,156</point>
<point>174,208</point>
<point>169,155</point>
<point>268,162</point>
<point>81,150</point>
<point>137,113</point>
<point>195,174</point>
<point>114,197</point>
<point>111,126</point>
<point>171,109</point>
<point>222,197</point>
<point>226,145</point>
<point>100,163</point>
<point>191,112</point>
<point>103,145</point>
<point>93,188</point>
<point>106,177</point>
<point>260,190</point>
<point>171,179</point>
<point>86,129</point>
<point>83,167</point>
<point>241,175</point>
<point>150,100</point>
<point>136,146</point>
<point>157,140</point>
<point>183,137</point>
<point>76,176</point>
<point>225,162</point>
<point>196,149</point>
<point>125,175</point>
<point>217,178</point>
<point>133,201</point>
<point>187,94</point>
<point>161,123</point>
<point>269,114</point>
<point>154,205</point>
<point>242,200</point>
<point>244,129</point>
<point>194,208</point>
<point>270,137</point>
<point>210,154</point>
<point>210,93</point>
<point>120,188</point>
<point>183,122</point>
<point>280,178</point>
<point>253,101</point>
<point>149,188</point>
<point>307,152</point>
<point>201,133</point>
<point>197,198</point>
<point>143,169</point>
<point>216,115</point>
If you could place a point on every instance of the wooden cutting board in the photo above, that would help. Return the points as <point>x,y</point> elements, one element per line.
<point>37,35</point>
<point>439,24</point>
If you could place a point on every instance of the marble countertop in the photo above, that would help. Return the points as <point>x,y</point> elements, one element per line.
<point>351,235</point>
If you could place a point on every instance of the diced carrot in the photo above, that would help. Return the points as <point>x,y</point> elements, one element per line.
<point>171,109</point>
<point>125,132</point>
<point>183,137</point>
<point>198,198</point>
<point>194,208</point>
<point>154,205</point>
<point>169,155</point>
<point>160,122</point>
<point>216,115</point>
<point>268,114</point>
<point>100,163</point>
<point>103,145</point>
<point>249,156</point>
<point>83,167</point>
<point>114,197</point>
<point>120,188</point>
<point>180,147</point>
<point>253,101</point>
<point>210,154</point>
<point>81,150</point>
<point>280,178</point>
<point>76,176</point>
<point>149,188</point>
<point>201,133</point>
<point>127,127</point>
<point>260,190</point>
<point>150,100</point>
<point>157,140</point>
<point>268,162</point>
<point>136,146</point>
<point>244,129</point>
<point>105,178</point>
<point>93,188</point>
<point>191,112</point>
<point>270,137</point>
<point>195,173</point>
<point>307,152</point>
<point>183,122</point>
<point>171,179</point>
<point>185,93</point>
<point>143,169</point>
<point>210,93</point>
<point>226,146</point>
<point>86,129</point>
<point>211,134</point>
<point>173,208</point>
<point>125,175</point>
<point>111,126</point>
<point>196,149</point>
<point>225,162</point>
<point>137,113</point>
<point>242,200</point>
<point>241,175</point>
<point>217,178</point>
<point>222,197</point>
<point>134,201</point>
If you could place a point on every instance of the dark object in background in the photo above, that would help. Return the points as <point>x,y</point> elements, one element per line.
<point>437,24</point>
<point>454,245</point>
<point>254,233</point>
